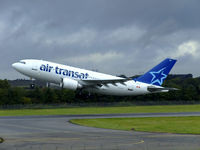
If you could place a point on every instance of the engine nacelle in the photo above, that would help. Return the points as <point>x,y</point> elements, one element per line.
<point>70,84</point>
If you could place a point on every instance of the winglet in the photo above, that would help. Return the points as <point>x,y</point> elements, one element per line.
<point>158,74</point>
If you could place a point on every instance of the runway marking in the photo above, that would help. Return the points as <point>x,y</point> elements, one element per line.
<point>59,139</point>
<point>112,146</point>
<point>140,142</point>
<point>84,138</point>
<point>91,135</point>
<point>41,139</point>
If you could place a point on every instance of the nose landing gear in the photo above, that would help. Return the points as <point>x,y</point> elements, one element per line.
<point>32,85</point>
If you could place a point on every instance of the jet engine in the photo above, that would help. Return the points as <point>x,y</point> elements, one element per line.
<point>70,84</point>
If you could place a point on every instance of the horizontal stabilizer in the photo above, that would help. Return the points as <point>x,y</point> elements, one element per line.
<point>160,89</point>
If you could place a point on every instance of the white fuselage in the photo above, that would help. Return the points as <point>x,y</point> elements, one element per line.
<point>55,73</point>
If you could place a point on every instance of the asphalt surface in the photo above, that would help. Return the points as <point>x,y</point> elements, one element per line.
<point>56,133</point>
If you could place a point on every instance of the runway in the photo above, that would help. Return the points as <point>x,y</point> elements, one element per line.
<point>56,133</point>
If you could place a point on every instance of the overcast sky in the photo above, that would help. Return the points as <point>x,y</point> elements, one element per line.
<point>113,36</point>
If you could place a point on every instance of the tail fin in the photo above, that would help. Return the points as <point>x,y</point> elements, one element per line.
<point>158,74</point>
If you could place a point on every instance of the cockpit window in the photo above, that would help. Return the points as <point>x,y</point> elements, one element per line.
<point>22,62</point>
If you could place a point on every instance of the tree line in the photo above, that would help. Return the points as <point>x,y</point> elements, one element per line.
<point>189,90</point>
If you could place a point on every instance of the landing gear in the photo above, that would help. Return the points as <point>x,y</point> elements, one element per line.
<point>32,85</point>
<point>81,94</point>
<point>79,91</point>
<point>89,95</point>
<point>48,85</point>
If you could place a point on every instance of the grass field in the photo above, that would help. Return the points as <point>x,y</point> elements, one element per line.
<point>102,110</point>
<point>186,125</point>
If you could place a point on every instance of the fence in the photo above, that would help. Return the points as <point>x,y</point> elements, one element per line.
<point>101,104</point>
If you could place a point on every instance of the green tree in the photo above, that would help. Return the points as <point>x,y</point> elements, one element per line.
<point>4,84</point>
<point>50,96</point>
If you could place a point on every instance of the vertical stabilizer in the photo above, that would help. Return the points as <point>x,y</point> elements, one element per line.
<point>158,74</point>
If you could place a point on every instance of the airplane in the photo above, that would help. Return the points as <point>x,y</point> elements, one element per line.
<point>94,82</point>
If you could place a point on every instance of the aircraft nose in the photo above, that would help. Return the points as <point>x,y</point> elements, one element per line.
<point>15,65</point>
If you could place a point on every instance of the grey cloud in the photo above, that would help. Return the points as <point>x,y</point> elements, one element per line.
<point>141,32</point>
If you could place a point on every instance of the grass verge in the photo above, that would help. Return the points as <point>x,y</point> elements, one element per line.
<point>102,110</point>
<point>186,125</point>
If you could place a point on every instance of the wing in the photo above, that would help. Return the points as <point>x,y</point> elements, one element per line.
<point>90,82</point>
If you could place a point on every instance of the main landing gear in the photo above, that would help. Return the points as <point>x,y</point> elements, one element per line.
<point>80,93</point>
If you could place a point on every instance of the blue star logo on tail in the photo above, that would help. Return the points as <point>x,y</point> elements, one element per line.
<point>158,76</point>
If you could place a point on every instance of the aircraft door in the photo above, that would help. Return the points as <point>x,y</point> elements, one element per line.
<point>35,69</point>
